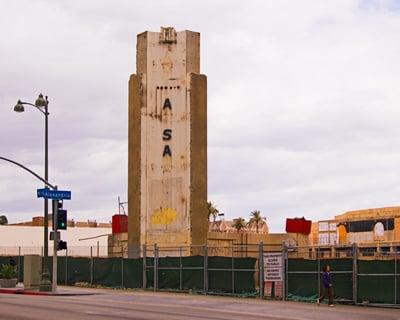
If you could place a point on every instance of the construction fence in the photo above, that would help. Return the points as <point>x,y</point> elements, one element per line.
<point>197,269</point>
<point>360,275</point>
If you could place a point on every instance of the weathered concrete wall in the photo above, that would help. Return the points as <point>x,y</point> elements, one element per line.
<point>221,244</point>
<point>167,189</point>
<point>134,138</point>
<point>198,158</point>
<point>118,246</point>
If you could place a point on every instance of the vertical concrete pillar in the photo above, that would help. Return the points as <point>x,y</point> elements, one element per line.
<point>167,160</point>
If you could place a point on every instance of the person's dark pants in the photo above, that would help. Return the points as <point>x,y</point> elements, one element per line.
<point>327,292</point>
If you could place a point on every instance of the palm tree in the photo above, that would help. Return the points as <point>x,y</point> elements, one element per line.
<point>256,219</point>
<point>239,224</point>
<point>3,220</point>
<point>212,210</point>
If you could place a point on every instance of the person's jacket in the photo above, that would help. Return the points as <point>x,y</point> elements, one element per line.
<point>326,279</point>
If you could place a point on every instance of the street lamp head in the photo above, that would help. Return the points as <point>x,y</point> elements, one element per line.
<point>19,107</point>
<point>40,101</point>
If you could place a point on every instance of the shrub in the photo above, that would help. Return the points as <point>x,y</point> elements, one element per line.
<point>8,271</point>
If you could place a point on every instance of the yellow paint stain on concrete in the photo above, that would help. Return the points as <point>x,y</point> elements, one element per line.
<point>163,216</point>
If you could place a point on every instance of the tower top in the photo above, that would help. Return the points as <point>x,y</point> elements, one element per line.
<point>167,54</point>
<point>167,35</point>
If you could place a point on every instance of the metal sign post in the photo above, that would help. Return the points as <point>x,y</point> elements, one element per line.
<point>55,195</point>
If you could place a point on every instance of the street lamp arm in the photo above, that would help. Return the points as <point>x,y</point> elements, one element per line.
<point>30,171</point>
<point>31,104</point>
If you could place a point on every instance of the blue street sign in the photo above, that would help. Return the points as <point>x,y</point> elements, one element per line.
<point>53,194</point>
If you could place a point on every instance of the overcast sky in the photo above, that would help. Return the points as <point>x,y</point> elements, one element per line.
<point>303,102</point>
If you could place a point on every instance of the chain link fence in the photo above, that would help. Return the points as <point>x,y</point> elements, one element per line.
<point>361,275</point>
<point>366,274</point>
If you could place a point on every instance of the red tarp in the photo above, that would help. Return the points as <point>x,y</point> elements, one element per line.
<point>119,223</point>
<point>298,225</point>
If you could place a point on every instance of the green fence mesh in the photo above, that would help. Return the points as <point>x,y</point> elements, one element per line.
<point>222,279</point>
<point>304,279</point>
<point>186,273</point>
<point>133,273</point>
<point>376,281</point>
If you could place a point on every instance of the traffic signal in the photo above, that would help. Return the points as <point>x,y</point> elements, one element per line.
<point>62,220</point>
<point>61,245</point>
<point>57,206</point>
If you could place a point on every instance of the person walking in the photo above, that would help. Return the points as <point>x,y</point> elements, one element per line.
<point>328,288</point>
<point>11,261</point>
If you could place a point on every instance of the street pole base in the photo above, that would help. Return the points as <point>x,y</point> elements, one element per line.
<point>45,287</point>
<point>45,283</point>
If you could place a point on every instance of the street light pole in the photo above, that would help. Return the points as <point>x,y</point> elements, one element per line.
<point>46,276</point>
<point>40,104</point>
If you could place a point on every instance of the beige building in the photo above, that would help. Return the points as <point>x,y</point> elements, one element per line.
<point>82,241</point>
<point>39,221</point>
<point>167,152</point>
<point>324,232</point>
<point>368,226</point>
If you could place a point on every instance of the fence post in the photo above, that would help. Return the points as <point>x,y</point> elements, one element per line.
<point>205,270</point>
<point>355,271</point>
<point>180,269</point>
<point>144,267</point>
<point>66,267</point>
<point>319,270</point>
<point>284,269</point>
<point>261,269</point>
<point>395,276</point>
<point>91,265</point>
<point>122,266</point>
<point>19,264</point>
<point>233,271</point>
<point>155,280</point>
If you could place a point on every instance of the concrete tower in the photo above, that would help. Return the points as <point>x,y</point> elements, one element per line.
<point>167,161</point>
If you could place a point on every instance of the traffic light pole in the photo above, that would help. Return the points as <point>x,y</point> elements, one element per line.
<point>55,242</point>
<point>61,195</point>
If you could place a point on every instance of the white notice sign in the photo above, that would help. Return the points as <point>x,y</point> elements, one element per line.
<point>273,263</point>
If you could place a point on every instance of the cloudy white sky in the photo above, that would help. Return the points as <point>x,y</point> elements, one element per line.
<point>304,102</point>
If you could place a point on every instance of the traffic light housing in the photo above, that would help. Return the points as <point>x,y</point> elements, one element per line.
<point>61,245</point>
<point>57,207</point>
<point>62,219</point>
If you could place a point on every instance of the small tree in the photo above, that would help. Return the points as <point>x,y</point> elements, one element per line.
<point>239,224</point>
<point>256,219</point>
<point>212,211</point>
<point>3,220</point>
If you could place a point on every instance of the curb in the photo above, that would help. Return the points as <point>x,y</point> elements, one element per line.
<point>39,293</point>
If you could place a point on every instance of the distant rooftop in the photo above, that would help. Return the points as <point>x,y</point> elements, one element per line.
<point>38,221</point>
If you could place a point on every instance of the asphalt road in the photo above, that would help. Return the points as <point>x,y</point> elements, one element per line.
<point>110,304</point>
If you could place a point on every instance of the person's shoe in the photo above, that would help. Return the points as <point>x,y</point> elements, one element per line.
<point>318,302</point>
<point>331,305</point>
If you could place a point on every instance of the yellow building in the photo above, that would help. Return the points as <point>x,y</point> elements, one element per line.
<point>368,226</point>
